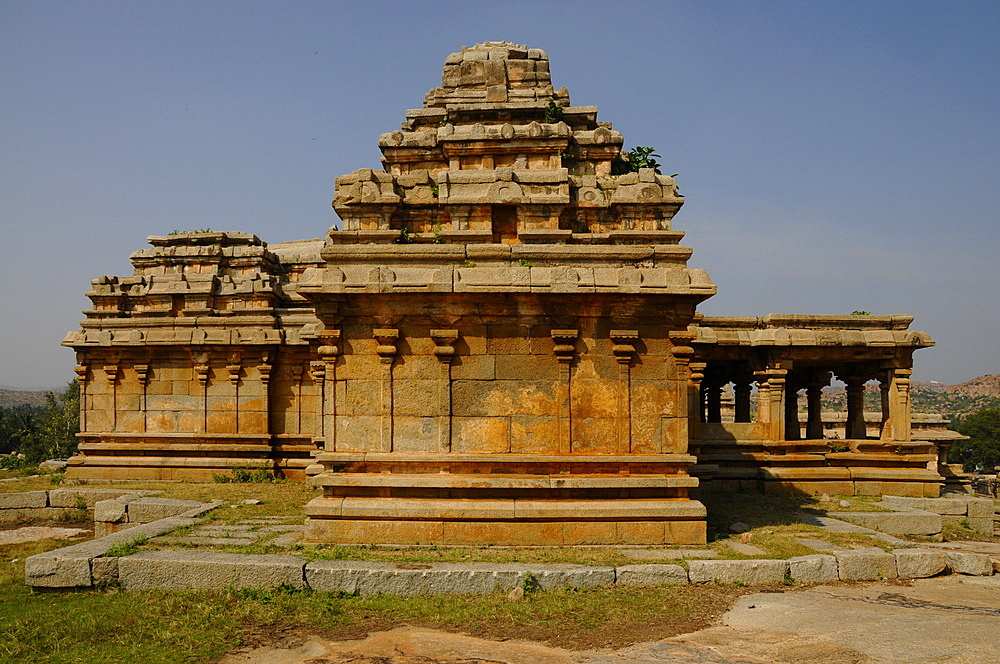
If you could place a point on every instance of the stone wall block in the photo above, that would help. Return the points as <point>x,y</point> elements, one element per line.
<point>738,571</point>
<point>980,508</point>
<point>25,499</point>
<point>184,570</point>
<point>818,568</point>
<point>919,563</point>
<point>651,575</point>
<point>866,565</point>
<point>972,564</point>
<point>111,511</point>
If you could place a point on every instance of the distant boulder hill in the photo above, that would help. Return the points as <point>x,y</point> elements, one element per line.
<point>15,398</point>
<point>951,401</point>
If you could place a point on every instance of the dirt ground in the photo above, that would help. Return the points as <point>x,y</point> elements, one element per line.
<point>946,620</point>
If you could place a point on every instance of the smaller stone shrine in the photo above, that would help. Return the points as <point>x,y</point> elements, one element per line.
<point>500,344</point>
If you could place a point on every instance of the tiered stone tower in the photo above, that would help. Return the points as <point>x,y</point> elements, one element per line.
<point>507,319</point>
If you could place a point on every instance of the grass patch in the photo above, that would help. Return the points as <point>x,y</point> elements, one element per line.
<point>105,626</point>
<point>126,548</point>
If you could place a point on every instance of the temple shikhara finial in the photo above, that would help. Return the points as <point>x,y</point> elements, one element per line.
<point>498,343</point>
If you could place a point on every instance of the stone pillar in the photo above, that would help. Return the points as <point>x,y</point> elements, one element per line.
<point>386,350</point>
<point>317,371</point>
<point>899,404</point>
<point>623,349</point>
<point>142,373</point>
<point>763,401</point>
<point>201,371</point>
<point>741,391</point>
<point>296,371</point>
<point>81,378</point>
<point>694,395</point>
<point>264,370</point>
<point>444,350</point>
<point>793,429</point>
<point>681,429</point>
<point>884,388</point>
<point>328,352</point>
<point>814,405</point>
<point>855,427</point>
<point>111,374</point>
<point>771,402</point>
<point>564,348</point>
<point>234,367</point>
<point>713,402</point>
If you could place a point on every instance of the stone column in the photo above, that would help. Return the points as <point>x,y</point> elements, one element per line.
<point>771,402</point>
<point>444,350</point>
<point>814,405</point>
<point>899,403</point>
<point>564,348</point>
<point>713,402</point>
<point>694,394</point>
<point>623,349</point>
<point>81,378</point>
<point>111,374</point>
<point>142,373</point>
<point>328,352</point>
<point>386,350</point>
<point>855,427</point>
<point>793,429</point>
<point>295,371</point>
<point>317,371</point>
<point>264,370</point>
<point>681,430</point>
<point>741,391</point>
<point>234,368</point>
<point>884,388</point>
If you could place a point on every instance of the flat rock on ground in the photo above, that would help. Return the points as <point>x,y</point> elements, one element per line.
<point>946,620</point>
<point>37,533</point>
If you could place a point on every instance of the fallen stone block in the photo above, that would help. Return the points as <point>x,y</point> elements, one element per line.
<point>103,570</point>
<point>184,570</point>
<point>972,564</point>
<point>866,565</point>
<point>980,508</point>
<point>147,510</point>
<point>70,567</point>
<point>738,571</point>
<point>948,506</point>
<point>78,496</point>
<point>372,578</point>
<point>919,563</point>
<point>25,499</point>
<point>817,568</point>
<point>911,522</point>
<point>111,511</point>
<point>650,575</point>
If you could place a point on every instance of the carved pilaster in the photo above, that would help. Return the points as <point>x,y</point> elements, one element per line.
<point>317,372</point>
<point>233,368</point>
<point>111,375</point>
<point>142,374</point>
<point>624,350</point>
<point>564,350</point>
<point>681,427</point>
<point>201,371</point>
<point>328,353</point>
<point>82,379</point>
<point>386,350</point>
<point>444,351</point>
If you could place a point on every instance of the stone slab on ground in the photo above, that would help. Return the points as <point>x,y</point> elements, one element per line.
<point>37,533</point>
<point>24,499</point>
<point>670,554</point>
<point>185,570</point>
<point>737,571</point>
<point>146,510</point>
<point>819,545</point>
<point>69,567</point>
<point>651,575</point>
<point>818,568</point>
<point>975,564</point>
<point>866,565</point>
<point>372,578</point>
<point>919,563</point>
<point>832,525</point>
<point>910,522</point>
<point>191,540</point>
<point>68,497</point>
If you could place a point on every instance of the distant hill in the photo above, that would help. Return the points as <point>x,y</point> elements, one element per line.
<point>12,398</point>
<point>951,401</point>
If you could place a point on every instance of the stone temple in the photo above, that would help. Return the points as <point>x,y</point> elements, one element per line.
<point>499,344</point>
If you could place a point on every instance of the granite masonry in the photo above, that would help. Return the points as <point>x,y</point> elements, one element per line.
<point>498,344</point>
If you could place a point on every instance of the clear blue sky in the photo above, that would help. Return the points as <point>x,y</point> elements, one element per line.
<point>834,155</point>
